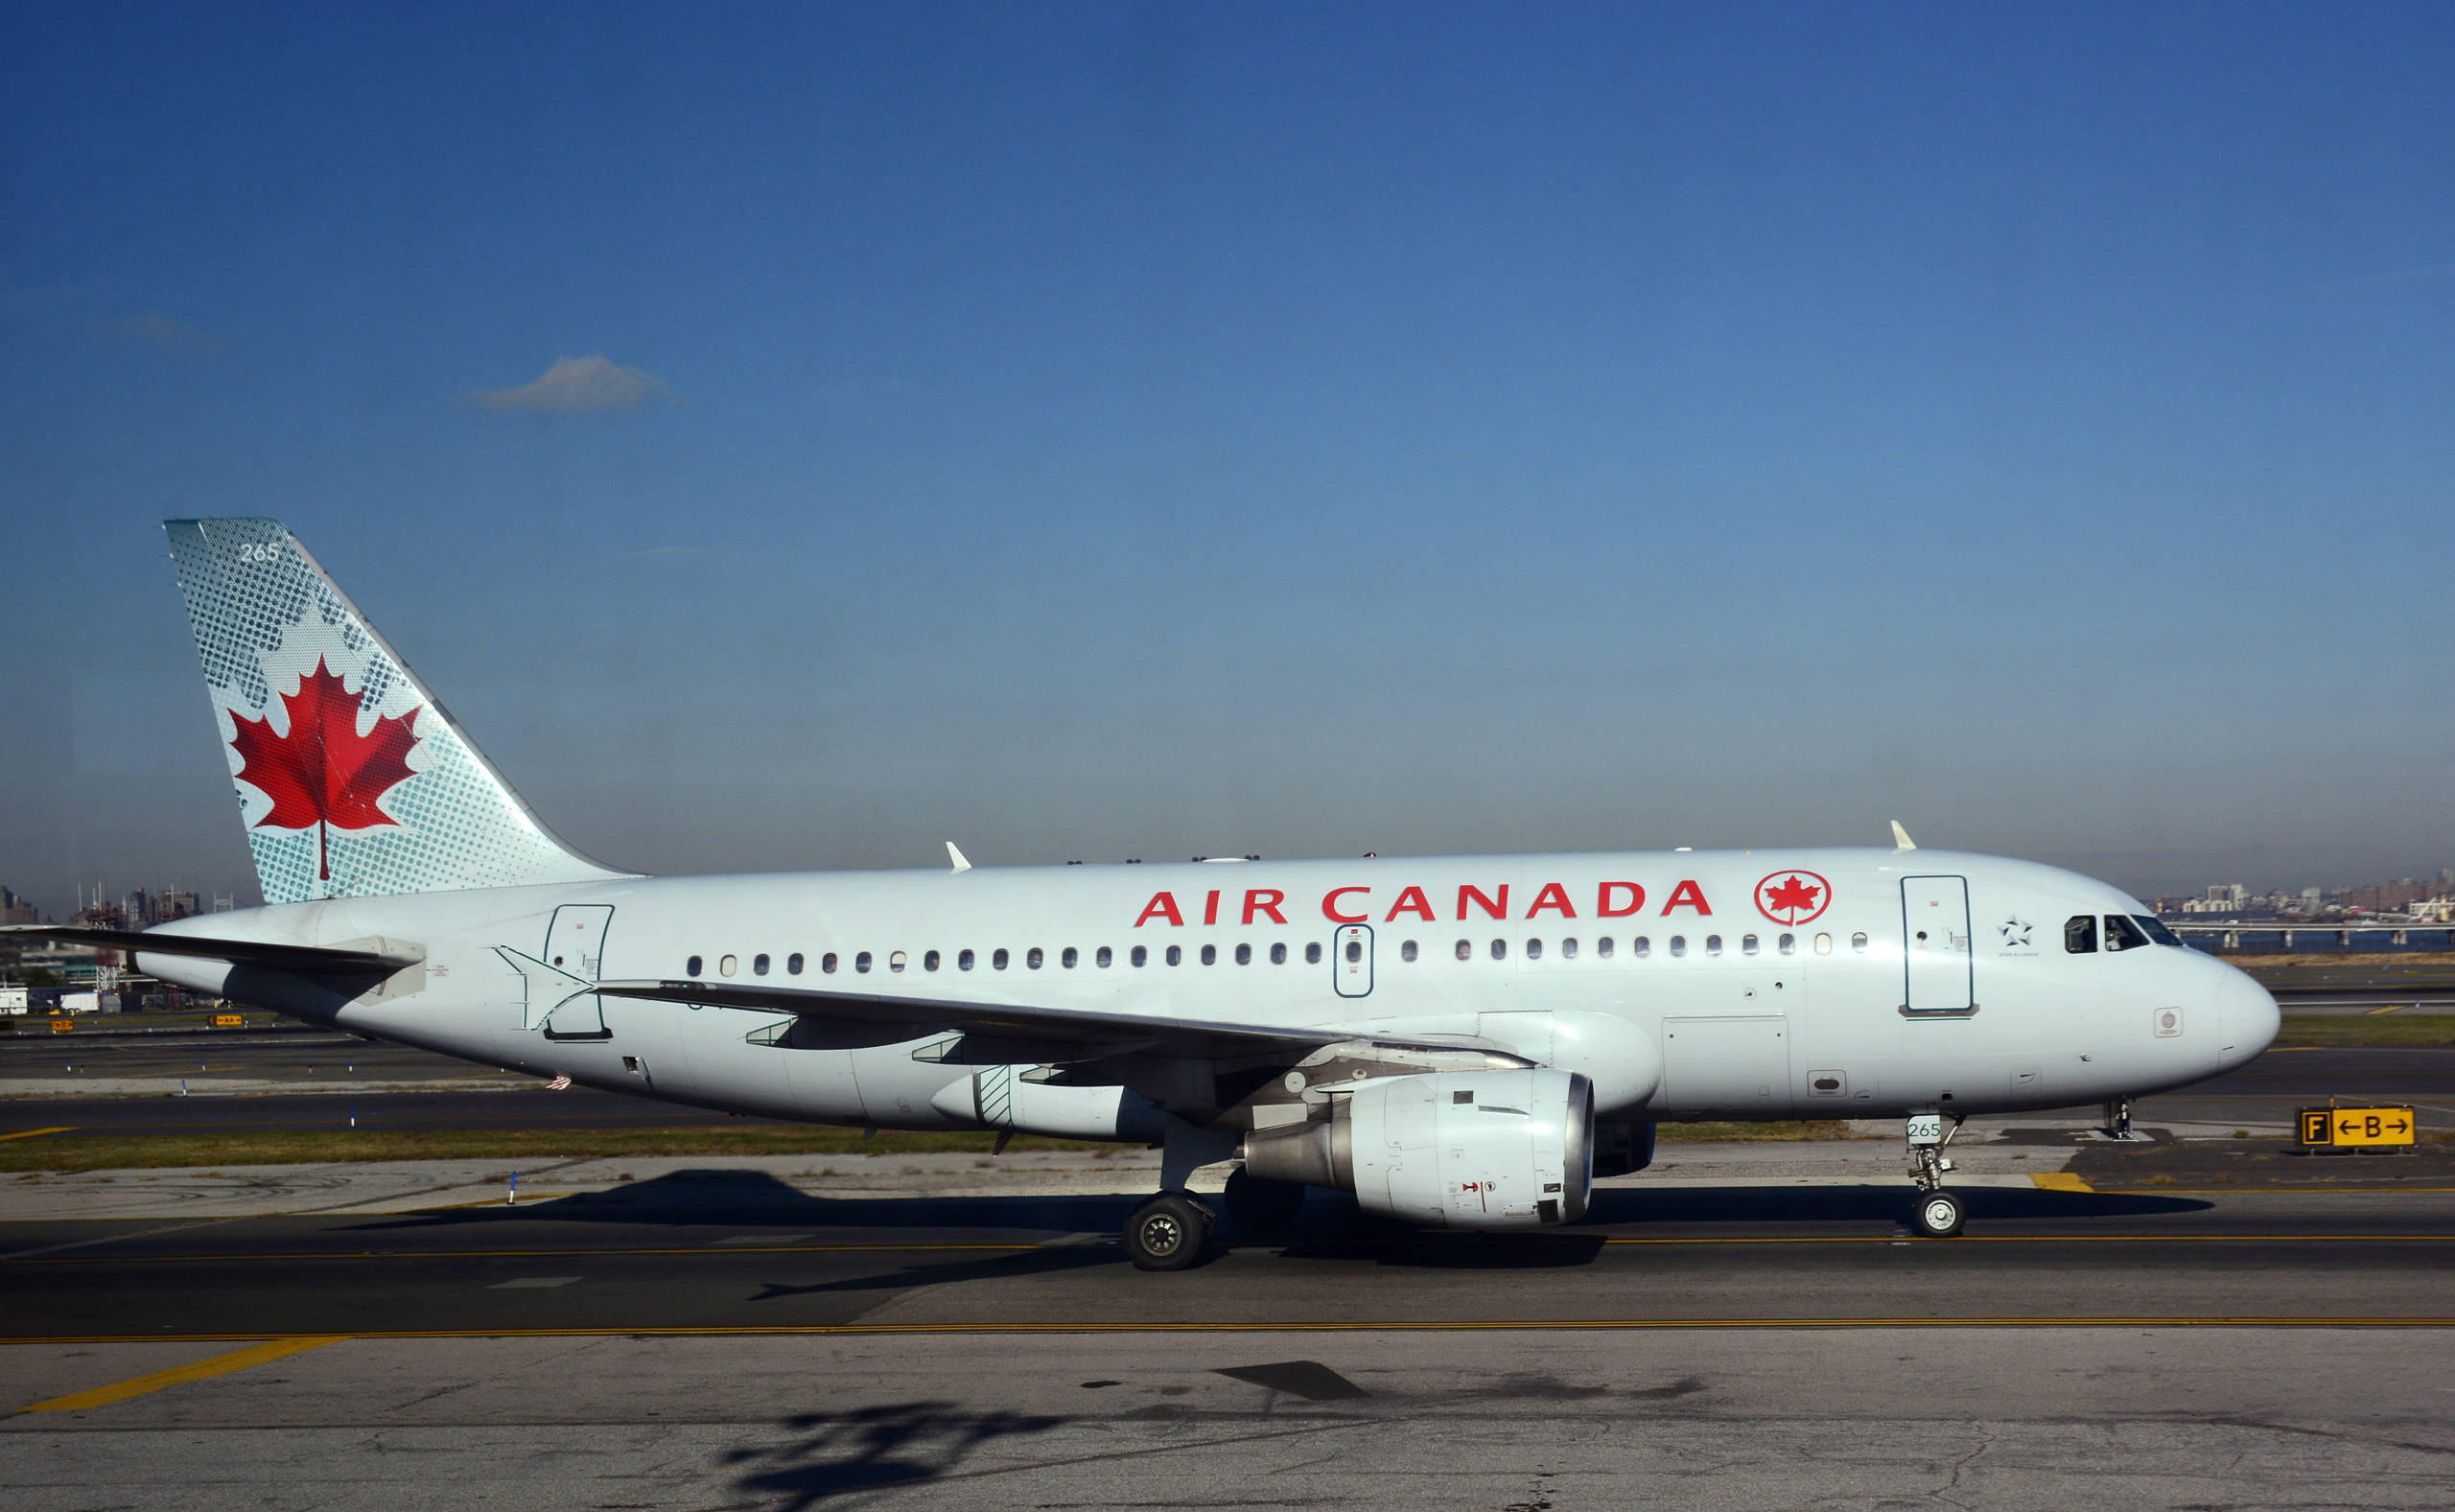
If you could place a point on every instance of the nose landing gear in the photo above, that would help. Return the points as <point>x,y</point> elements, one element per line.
<point>1938,1214</point>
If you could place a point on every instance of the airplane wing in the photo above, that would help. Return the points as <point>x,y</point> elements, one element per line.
<point>1083,1031</point>
<point>306,960</point>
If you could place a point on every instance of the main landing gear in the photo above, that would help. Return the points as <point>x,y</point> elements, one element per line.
<point>1938,1214</point>
<point>1167,1233</point>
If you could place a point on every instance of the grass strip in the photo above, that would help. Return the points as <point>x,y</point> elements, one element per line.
<point>74,1153</point>
<point>2366,1028</point>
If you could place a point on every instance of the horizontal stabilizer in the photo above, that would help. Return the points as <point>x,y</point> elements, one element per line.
<point>306,960</point>
<point>1096,1033</point>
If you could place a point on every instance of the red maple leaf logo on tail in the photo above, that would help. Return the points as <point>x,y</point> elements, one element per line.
<point>324,773</point>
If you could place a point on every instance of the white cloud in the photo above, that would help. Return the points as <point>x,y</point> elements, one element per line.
<point>576,385</point>
<point>157,329</point>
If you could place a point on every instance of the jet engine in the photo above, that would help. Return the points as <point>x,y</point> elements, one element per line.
<point>1453,1149</point>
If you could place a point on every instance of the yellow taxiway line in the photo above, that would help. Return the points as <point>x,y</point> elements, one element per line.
<point>202,1370</point>
<point>280,1347</point>
<point>1967,1240</point>
<point>29,1133</point>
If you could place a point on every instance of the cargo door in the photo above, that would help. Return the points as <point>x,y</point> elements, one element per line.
<point>1935,948</point>
<point>575,943</point>
<point>1734,1064</point>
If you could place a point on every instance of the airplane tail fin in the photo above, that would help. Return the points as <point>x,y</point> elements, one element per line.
<point>353,781</point>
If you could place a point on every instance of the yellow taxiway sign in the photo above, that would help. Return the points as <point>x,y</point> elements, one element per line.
<point>2356,1125</point>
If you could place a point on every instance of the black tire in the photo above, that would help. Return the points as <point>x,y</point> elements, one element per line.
<point>1937,1214</point>
<point>1167,1233</point>
<point>1260,1206</point>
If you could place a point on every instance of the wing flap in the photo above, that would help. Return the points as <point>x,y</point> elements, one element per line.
<point>1102,1033</point>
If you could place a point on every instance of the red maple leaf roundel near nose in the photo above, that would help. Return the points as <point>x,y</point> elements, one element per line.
<point>1793,897</point>
<point>324,773</point>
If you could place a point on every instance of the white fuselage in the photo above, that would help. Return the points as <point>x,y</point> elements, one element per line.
<point>1866,992</point>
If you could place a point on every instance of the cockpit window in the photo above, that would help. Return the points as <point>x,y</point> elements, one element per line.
<point>2157,931</point>
<point>2080,934</point>
<point>2122,934</point>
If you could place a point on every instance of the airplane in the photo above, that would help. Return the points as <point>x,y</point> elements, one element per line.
<point>1458,1042</point>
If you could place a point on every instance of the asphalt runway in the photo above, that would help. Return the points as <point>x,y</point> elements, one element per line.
<point>1708,1347</point>
<point>2219,1322</point>
<point>104,1047</point>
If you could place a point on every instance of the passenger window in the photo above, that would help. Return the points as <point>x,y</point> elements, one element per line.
<point>1790,944</point>
<point>1107,958</point>
<point>1499,949</point>
<point>1713,945</point>
<point>1070,959</point>
<point>2080,934</point>
<point>2157,931</point>
<point>1141,956</point>
<point>1175,955</point>
<point>759,964</point>
<point>929,962</point>
<point>861,962</point>
<point>963,959</point>
<point>1680,944</point>
<point>727,965</point>
<point>826,963</point>
<point>1747,944</point>
<point>793,964</point>
<point>1568,948</point>
<point>1824,944</point>
<point>1407,952</point>
<point>1641,947</point>
<point>1465,950</point>
<point>1354,952</point>
<point>1313,954</point>
<point>1278,954</point>
<point>1244,955</point>
<point>894,961</point>
<point>1603,947</point>
<point>1032,957</point>
<point>2122,934</point>
<point>998,959</point>
<point>690,968</point>
<point>1533,950</point>
<point>1211,955</point>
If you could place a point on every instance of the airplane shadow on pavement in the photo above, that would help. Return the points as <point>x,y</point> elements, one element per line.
<point>1330,1227</point>
<point>873,1448</point>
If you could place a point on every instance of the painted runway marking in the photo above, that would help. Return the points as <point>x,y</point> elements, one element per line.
<point>29,1133</point>
<point>202,1370</point>
<point>2059,1182</point>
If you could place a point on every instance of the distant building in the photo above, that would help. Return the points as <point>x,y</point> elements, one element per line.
<point>15,910</point>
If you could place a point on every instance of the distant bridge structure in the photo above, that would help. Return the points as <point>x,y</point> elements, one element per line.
<point>2282,938</point>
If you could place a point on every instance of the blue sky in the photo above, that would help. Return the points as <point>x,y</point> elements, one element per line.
<point>1104,430</point>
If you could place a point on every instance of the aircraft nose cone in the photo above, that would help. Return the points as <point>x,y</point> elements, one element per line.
<point>2246,1019</point>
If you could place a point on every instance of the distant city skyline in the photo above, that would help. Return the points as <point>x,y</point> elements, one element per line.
<point>798,437</point>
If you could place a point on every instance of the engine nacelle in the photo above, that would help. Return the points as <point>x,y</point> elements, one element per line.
<point>1453,1149</point>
